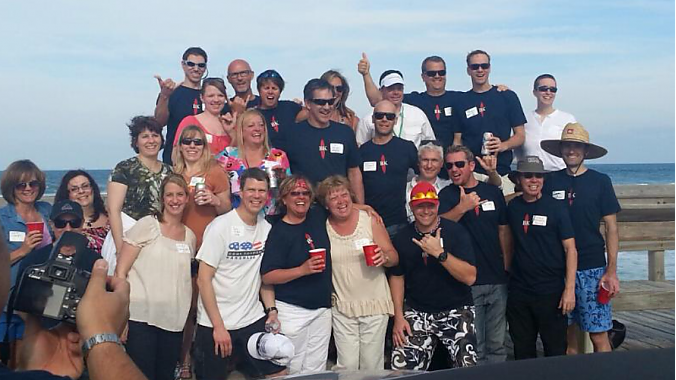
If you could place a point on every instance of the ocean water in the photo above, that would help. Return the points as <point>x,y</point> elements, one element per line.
<point>631,265</point>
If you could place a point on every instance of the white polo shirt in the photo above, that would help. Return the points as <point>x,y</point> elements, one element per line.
<point>550,129</point>
<point>412,125</point>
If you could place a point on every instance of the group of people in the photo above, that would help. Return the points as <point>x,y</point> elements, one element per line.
<point>269,226</point>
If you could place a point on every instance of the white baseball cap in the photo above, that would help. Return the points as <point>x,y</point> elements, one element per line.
<point>391,79</point>
<point>276,348</point>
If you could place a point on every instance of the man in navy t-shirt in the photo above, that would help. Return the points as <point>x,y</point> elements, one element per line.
<point>279,114</point>
<point>481,209</point>
<point>386,163</point>
<point>542,281</point>
<point>434,275</point>
<point>590,197</point>
<point>319,147</point>
<point>175,102</point>
<point>485,109</point>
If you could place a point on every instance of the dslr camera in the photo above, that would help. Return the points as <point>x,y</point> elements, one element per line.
<point>54,288</point>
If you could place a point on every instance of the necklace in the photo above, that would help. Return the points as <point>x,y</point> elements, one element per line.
<point>434,230</point>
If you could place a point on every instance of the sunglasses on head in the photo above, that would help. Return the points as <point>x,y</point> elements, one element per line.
<point>323,102</point>
<point>188,141</point>
<point>380,115</point>
<point>531,175</point>
<point>201,65</point>
<point>74,223</point>
<point>300,193</point>
<point>427,195</point>
<point>269,74</point>
<point>434,73</point>
<point>457,164</point>
<point>476,66</point>
<point>26,185</point>
<point>548,88</point>
<point>433,142</point>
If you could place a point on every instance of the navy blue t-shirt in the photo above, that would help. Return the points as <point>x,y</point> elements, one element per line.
<point>288,246</point>
<point>539,263</point>
<point>490,111</point>
<point>7,374</point>
<point>589,196</point>
<point>279,118</point>
<point>384,171</point>
<point>429,287</point>
<point>439,111</point>
<point>482,223</point>
<point>183,102</point>
<point>320,152</point>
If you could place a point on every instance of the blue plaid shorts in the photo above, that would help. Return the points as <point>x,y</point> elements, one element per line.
<point>590,315</point>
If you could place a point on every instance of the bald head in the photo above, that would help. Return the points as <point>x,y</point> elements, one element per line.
<point>385,106</point>
<point>384,117</point>
<point>240,76</point>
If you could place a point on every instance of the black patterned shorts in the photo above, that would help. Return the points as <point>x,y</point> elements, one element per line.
<point>455,329</point>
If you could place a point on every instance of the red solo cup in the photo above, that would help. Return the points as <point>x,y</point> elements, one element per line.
<point>35,226</point>
<point>369,252</point>
<point>321,252</point>
<point>603,296</point>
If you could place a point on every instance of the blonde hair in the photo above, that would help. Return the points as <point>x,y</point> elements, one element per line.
<point>331,184</point>
<point>171,178</point>
<point>205,161</point>
<point>239,128</point>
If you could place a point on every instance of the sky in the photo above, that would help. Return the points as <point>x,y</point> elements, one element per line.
<point>75,72</point>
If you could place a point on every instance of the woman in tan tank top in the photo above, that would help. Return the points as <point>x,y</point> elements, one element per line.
<point>361,300</point>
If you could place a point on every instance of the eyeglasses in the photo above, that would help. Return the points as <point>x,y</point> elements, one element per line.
<point>531,175</point>
<point>26,185</point>
<point>434,73</point>
<point>340,88</point>
<point>476,66</point>
<point>188,141</point>
<point>323,102</point>
<point>85,187</point>
<point>201,65</point>
<point>457,164</point>
<point>240,74</point>
<point>427,195</point>
<point>381,115</point>
<point>547,88</point>
<point>74,223</point>
<point>300,193</point>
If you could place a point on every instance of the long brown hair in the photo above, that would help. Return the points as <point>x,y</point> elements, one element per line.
<point>175,179</point>
<point>204,163</point>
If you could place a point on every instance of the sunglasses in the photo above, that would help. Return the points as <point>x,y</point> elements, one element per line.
<point>531,175</point>
<point>193,64</point>
<point>433,142</point>
<point>340,88</point>
<point>84,188</point>
<point>457,164</point>
<point>547,88</point>
<point>269,74</point>
<point>323,102</point>
<point>427,195</point>
<point>434,73</point>
<point>188,141</point>
<point>300,193</point>
<point>26,185</point>
<point>74,223</point>
<point>381,115</point>
<point>476,66</point>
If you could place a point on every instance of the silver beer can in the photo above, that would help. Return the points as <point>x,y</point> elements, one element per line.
<point>484,144</point>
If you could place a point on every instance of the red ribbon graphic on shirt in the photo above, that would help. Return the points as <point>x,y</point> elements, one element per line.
<point>274,124</point>
<point>476,210</point>
<point>308,238</point>
<point>383,163</point>
<point>571,196</point>
<point>482,109</point>
<point>322,148</point>
<point>195,107</point>
<point>526,223</point>
<point>437,112</point>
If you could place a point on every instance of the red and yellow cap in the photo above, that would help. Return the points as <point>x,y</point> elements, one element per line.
<point>423,192</point>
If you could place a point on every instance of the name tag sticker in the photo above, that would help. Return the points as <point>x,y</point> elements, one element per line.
<point>539,220</point>
<point>370,166</point>
<point>448,111</point>
<point>336,148</point>
<point>182,248</point>
<point>210,138</point>
<point>559,194</point>
<point>471,112</point>
<point>17,236</point>
<point>195,180</point>
<point>488,206</point>
<point>237,231</point>
<point>441,240</point>
<point>360,243</point>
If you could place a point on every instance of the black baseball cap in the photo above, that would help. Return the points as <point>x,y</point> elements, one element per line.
<point>66,207</point>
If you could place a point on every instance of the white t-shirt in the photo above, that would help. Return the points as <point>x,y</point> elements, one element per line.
<point>550,129</point>
<point>412,125</point>
<point>235,249</point>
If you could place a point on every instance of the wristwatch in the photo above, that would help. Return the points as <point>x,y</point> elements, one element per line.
<point>270,309</point>
<point>98,339</point>
<point>443,256</point>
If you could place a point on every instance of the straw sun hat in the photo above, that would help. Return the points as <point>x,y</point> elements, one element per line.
<point>573,132</point>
